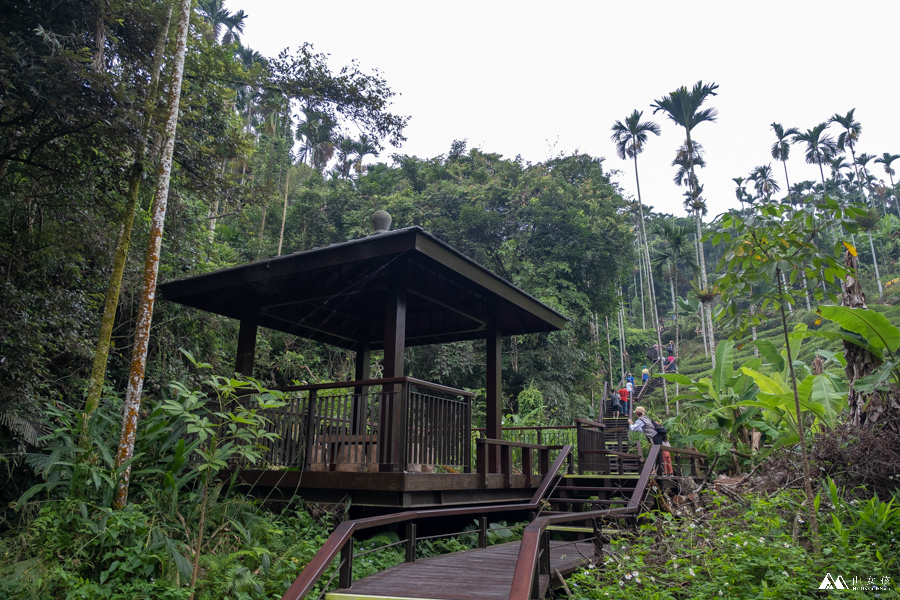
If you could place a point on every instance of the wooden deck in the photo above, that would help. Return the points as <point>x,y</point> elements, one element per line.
<point>481,574</point>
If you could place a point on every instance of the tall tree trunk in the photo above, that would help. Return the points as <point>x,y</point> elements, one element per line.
<point>287,185</point>
<point>123,243</point>
<point>788,183</point>
<point>653,307</point>
<point>98,61</point>
<point>705,307</point>
<point>609,353</point>
<point>875,262</point>
<point>860,361</point>
<point>151,268</point>
<point>621,337</point>
<point>801,426</point>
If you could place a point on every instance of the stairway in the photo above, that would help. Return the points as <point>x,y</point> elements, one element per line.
<point>604,480</point>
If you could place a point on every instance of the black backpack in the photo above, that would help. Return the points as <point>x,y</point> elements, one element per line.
<point>658,427</point>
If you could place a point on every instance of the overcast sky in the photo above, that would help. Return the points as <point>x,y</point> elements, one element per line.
<point>537,78</point>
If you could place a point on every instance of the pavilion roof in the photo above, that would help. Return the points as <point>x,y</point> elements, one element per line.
<point>338,294</point>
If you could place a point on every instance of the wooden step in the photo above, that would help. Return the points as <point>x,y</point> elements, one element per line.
<point>587,501</point>
<point>573,529</point>
<point>591,488</point>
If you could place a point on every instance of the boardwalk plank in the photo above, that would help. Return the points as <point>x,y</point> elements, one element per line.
<point>481,574</point>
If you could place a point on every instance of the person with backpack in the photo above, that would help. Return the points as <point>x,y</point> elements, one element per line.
<point>615,405</point>
<point>645,375</point>
<point>654,431</point>
<point>623,396</point>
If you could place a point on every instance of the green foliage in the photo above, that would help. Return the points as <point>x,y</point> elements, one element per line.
<point>741,553</point>
<point>756,396</point>
<point>873,332</point>
<point>778,240</point>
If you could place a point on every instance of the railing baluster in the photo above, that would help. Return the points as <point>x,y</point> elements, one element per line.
<point>310,427</point>
<point>410,542</point>
<point>346,579</point>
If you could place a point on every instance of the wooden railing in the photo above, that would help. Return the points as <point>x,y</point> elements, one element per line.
<point>507,466</point>
<point>594,452</point>
<point>341,541</point>
<point>533,560</point>
<point>393,424</point>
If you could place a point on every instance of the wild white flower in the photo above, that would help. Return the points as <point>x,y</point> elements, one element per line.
<point>627,575</point>
<point>691,571</point>
<point>786,545</point>
<point>634,574</point>
<point>720,592</point>
<point>784,573</point>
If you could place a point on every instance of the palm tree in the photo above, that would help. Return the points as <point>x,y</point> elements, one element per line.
<point>763,182</point>
<point>316,135</point>
<point>740,192</point>
<point>677,249</point>
<point>886,159</point>
<point>819,147</point>
<point>362,148</point>
<point>862,161</point>
<point>215,13</point>
<point>682,106</point>
<point>781,149</point>
<point>684,160</point>
<point>630,137</point>
<point>849,137</point>
<point>837,164</point>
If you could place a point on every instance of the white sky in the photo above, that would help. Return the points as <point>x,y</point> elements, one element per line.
<point>540,78</point>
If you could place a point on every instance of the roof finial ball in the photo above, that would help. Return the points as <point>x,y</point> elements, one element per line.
<point>381,220</point>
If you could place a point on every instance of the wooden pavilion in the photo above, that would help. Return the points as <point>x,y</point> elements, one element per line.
<point>393,441</point>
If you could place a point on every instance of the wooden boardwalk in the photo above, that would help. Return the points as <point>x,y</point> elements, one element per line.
<point>481,574</point>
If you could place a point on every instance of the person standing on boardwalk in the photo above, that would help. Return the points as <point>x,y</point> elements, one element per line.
<point>629,387</point>
<point>671,347</point>
<point>645,425</point>
<point>645,375</point>
<point>615,404</point>
<point>623,396</point>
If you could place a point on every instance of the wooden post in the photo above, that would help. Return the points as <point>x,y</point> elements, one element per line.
<point>394,347</point>
<point>410,542</point>
<point>246,346</point>
<point>360,394</point>
<point>494,410</point>
<point>346,577</point>
<point>482,531</point>
<point>310,426</point>
<point>526,466</point>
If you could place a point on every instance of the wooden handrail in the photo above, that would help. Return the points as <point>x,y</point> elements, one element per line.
<point>369,382</point>
<point>344,532</point>
<point>493,442</point>
<point>530,428</point>
<point>523,579</point>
